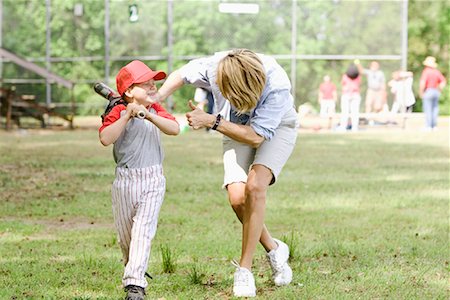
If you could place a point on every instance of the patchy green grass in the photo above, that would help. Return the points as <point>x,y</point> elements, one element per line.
<point>367,215</point>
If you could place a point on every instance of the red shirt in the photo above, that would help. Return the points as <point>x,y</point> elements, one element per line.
<point>349,85</point>
<point>327,89</point>
<point>114,114</point>
<point>432,78</point>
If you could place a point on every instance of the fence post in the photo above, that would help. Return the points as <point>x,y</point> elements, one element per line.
<point>169,48</point>
<point>106,31</point>
<point>47,49</point>
<point>294,48</point>
<point>404,35</point>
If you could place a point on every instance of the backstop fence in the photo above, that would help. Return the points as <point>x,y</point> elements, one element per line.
<point>86,41</point>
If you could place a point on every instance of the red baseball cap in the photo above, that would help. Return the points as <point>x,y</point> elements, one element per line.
<point>136,72</point>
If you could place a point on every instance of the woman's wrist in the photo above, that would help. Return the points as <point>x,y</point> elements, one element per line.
<point>156,97</point>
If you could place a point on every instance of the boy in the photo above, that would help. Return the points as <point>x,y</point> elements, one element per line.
<point>139,186</point>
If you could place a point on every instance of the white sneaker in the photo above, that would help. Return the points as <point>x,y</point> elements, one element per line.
<point>282,273</point>
<point>244,283</point>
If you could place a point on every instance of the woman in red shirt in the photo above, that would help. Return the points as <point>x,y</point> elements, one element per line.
<point>350,99</point>
<point>432,82</point>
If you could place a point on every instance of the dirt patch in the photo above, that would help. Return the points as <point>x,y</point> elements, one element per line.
<point>51,225</point>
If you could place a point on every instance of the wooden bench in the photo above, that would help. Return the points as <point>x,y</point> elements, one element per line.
<point>14,107</point>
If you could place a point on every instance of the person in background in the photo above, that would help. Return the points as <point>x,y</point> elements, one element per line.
<point>432,82</point>
<point>401,86</point>
<point>376,100</point>
<point>327,99</point>
<point>350,98</point>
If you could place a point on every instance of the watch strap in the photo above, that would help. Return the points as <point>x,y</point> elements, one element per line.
<point>216,124</point>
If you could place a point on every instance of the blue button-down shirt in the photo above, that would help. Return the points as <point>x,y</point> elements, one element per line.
<point>274,107</point>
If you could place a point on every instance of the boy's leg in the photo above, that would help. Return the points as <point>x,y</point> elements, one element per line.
<point>122,213</point>
<point>148,202</point>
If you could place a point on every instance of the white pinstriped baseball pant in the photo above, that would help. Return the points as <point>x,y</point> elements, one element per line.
<point>137,196</point>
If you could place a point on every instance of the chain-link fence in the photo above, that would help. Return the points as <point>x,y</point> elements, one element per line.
<point>89,40</point>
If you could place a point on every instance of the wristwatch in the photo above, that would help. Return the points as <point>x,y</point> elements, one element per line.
<point>216,124</point>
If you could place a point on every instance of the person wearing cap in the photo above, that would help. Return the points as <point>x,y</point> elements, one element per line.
<point>139,187</point>
<point>254,110</point>
<point>432,82</point>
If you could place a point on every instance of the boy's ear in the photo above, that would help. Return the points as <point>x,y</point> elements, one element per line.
<point>128,93</point>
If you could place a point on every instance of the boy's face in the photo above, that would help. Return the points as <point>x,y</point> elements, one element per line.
<point>143,92</point>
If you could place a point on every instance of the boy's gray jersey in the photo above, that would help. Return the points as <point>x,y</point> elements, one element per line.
<point>133,149</point>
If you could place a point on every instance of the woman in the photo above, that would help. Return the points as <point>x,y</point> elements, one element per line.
<point>350,99</point>
<point>432,82</point>
<point>258,120</point>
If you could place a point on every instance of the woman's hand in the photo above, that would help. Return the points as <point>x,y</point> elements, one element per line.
<point>198,118</point>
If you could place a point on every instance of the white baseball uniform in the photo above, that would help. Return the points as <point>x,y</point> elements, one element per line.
<point>138,190</point>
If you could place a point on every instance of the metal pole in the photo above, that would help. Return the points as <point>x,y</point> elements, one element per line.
<point>1,45</point>
<point>47,50</point>
<point>294,48</point>
<point>170,47</point>
<point>1,39</point>
<point>106,30</point>
<point>404,35</point>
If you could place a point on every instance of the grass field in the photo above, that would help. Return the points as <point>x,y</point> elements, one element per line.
<point>366,215</point>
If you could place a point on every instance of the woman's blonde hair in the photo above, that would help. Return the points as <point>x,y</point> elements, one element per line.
<point>241,79</point>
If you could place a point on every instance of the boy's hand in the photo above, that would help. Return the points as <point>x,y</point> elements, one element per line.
<point>142,112</point>
<point>133,109</point>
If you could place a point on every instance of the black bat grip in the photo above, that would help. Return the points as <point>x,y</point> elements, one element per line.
<point>105,91</point>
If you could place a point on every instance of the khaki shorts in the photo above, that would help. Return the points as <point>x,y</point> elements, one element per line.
<point>238,158</point>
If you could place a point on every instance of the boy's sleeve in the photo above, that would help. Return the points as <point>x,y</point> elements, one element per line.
<point>113,116</point>
<point>160,111</point>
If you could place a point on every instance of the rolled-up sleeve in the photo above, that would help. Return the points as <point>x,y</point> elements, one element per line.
<point>195,72</point>
<point>268,115</point>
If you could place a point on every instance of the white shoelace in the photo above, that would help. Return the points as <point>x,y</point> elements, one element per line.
<point>274,263</point>
<point>242,277</point>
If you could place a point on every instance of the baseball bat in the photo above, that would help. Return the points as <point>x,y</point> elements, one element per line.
<point>112,96</point>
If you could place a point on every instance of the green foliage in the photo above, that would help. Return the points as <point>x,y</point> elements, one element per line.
<point>323,27</point>
<point>429,34</point>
